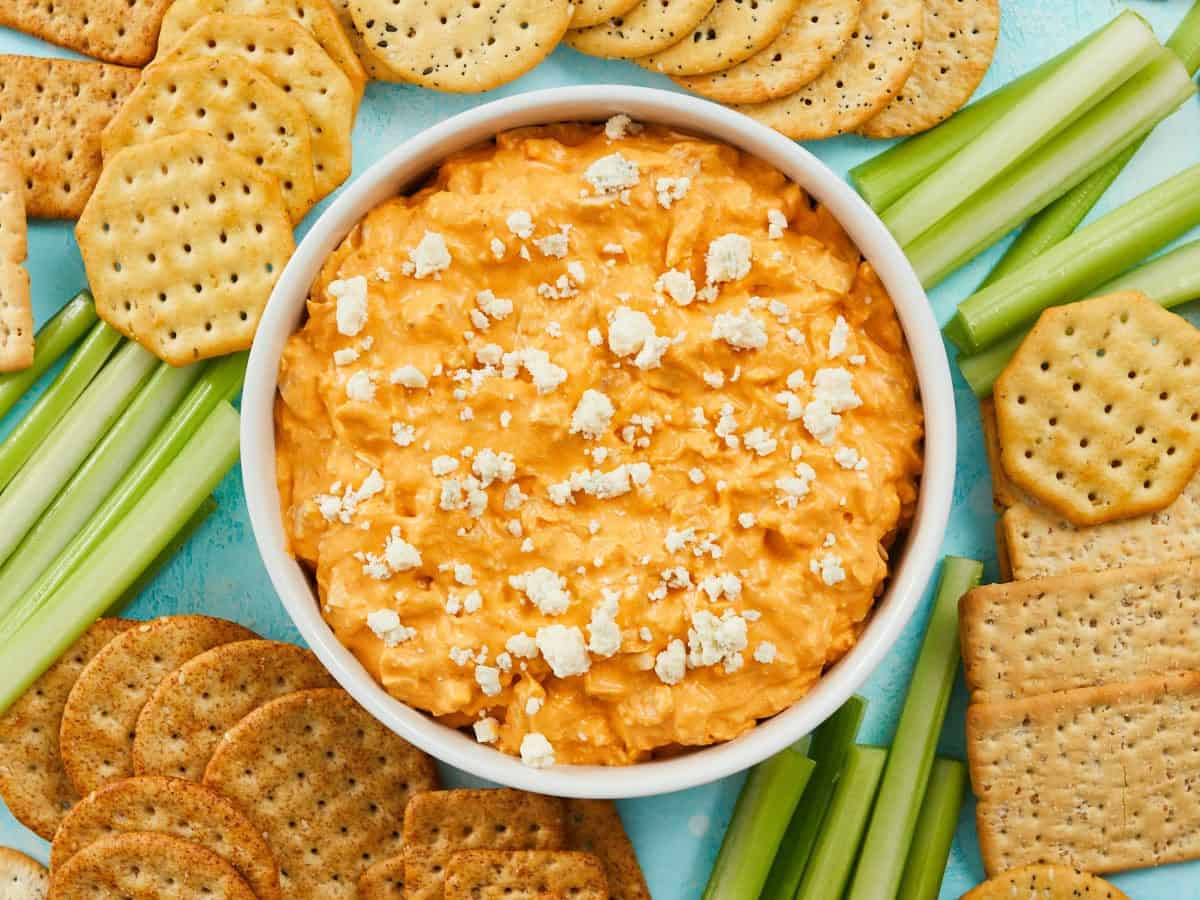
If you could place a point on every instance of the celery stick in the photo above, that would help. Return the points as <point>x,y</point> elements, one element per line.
<point>768,798</point>
<point>894,820</point>
<point>980,370</point>
<point>117,561</point>
<point>841,833</point>
<point>1091,142</point>
<point>77,374</point>
<point>829,745</point>
<point>220,378</point>
<point>1084,80</point>
<point>1185,41</point>
<point>1091,256</point>
<point>111,459</point>
<point>935,831</point>
<point>51,342</point>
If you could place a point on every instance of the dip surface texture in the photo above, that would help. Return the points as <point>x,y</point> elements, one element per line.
<point>597,442</point>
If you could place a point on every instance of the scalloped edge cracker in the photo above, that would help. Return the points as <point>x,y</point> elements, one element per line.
<point>593,12</point>
<point>1042,882</point>
<point>650,26</point>
<point>731,33</point>
<point>24,876</point>
<point>125,33</point>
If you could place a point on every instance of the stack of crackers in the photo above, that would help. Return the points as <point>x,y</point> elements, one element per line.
<point>1084,669</point>
<point>16,310</point>
<point>184,756</point>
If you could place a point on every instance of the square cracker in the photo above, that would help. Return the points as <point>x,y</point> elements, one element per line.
<point>51,114</point>
<point>595,826</point>
<point>1079,630</point>
<point>1101,778</point>
<point>438,824</point>
<point>116,31</point>
<point>13,247</point>
<point>525,875</point>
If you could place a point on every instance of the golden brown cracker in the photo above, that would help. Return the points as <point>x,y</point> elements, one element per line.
<point>375,67</point>
<point>593,12</point>
<point>595,826</point>
<point>1004,492</point>
<point>116,31</point>
<point>16,318</point>
<point>51,114</point>
<point>1099,409</point>
<point>732,32</point>
<point>650,26</point>
<point>96,739</point>
<point>524,875</point>
<point>325,783</point>
<point>13,243</point>
<point>1041,882</point>
<point>21,876</point>
<point>33,782</point>
<point>183,241</point>
<point>384,880</point>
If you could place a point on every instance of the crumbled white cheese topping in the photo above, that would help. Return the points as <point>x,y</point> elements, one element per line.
<point>555,245</point>
<point>612,174</point>
<point>747,520</point>
<point>619,126</point>
<point>495,307</point>
<point>361,386</point>
<point>592,415</point>
<point>829,567</point>
<point>765,653</point>
<point>520,224</point>
<point>670,664</point>
<point>491,466</point>
<point>793,489</point>
<point>838,338</point>
<point>429,257</point>
<point>604,633</point>
<point>386,625</point>
<point>740,330</point>
<point>631,332</point>
<point>488,679</point>
<point>776,224</point>
<point>671,189</point>
<point>564,649</point>
<point>351,297</point>
<point>544,588</point>
<point>536,751</point>
<point>712,640</point>
<point>487,730</point>
<point>728,259</point>
<point>677,285</point>
<point>408,376</point>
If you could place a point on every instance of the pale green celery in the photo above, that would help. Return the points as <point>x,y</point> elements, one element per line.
<point>889,837</point>
<point>88,487</point>
<point>935,831</point>
<point>221,378</point>
<point>1086,259</point>
<point>69,443</point>
<point>1185,40</point>
<point>52,341</point>
<point>125,553</point>
<point>760,818</point>
<point>29,433</point>
<point>1092,141</point>
<point>1086,79</point>
<point>841,835</point>
<point>190,527</point>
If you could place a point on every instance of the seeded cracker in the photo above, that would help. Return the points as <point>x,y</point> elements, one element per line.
<point>16,307</point>
<point>524,875</point>
<point>461,47</point>
<point>731,33</point>
<point>960,40</point>
<point>116,31</point>
<point>650,26</point>
<point>22,878</point>
<point>1045,883</point>
<point>593,12</point>
<point>325,783</point>
<point>815,34</point>
<point>376,68</point>
<point>595,826</point>
<point>384,880</point>
<point>862,80</point>
<point>51,114</point>
<point>103,706</point>
<point>147,866</point>
<point>170,806</point>
<point>33,782</point>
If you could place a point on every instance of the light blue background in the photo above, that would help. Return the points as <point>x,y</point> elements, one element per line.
<point>677,835</point>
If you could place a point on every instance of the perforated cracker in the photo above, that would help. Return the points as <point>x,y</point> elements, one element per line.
<point>375,67</point>
<point>808,44</point>
<point>183,241</point>
<point>232,101</point>
<point>462,47</point>
<point>326,784</point>
<point>441,823</point>
<point>16,318</point>
<point>287,54</point>
<point>524,875</point>
<point>148,866</point>
<point>96,740</point>
<point>593,12</point>
<point>116,31</point>
<point>13,246</point>
<point>175,807</point>
<point>1099,409</point>
<point>960,40</point>
<point>22,877</point>
<point>51,114</point>
<point>861,80</point>
<point>33,782</point>
<point>595,826</point>
<point>732,32</point>
<point>384,880</point>
<point>650,26</point>
<point>1045,883</point>
<point>1100,779</point>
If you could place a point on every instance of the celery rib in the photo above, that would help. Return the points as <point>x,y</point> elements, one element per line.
<point>1185,40</point>
<point>52,341</point>
<point>926,864</point>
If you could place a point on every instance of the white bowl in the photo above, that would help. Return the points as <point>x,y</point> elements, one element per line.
<point>414,159</point>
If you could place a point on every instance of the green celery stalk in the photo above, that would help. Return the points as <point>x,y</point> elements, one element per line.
<point>51,342</point>
<point>1091,256</point>
<point>86,490</point>
<point>1086,79</point>
<point>935,831</point>
<point>29,433</point>
<point>1185,40</point>
<point>890,834</point>
<point>760,818</point>
<point>828,751</point>
<point>69,443</point>
<point>1098,138</point>
<point>1169,280</point>
<point>842,831</point>
<point>220,378</point>
<point>117,561</point>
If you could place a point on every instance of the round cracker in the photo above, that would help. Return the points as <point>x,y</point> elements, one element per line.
<point>862,79</point>
<point>96,740</point>
<point>148,866</point>
<point>593,12</point>
<point>816,33</point>
<point>1045,882</point>
<point>650,26</point>
<point>176,807</point>
<point>732,32</point>
<point>326,784</point>
<point>33,782</point>
<point>959,42</point>
<point>383,881</point>
<point>462,47</point>
<point>190,711</point>
<point>22,877</point>
<point>377,69</point>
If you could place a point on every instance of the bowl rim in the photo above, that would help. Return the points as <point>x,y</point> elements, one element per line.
<point>417,156</point>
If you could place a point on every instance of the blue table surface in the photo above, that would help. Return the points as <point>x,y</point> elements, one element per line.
<point>677,835</point>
